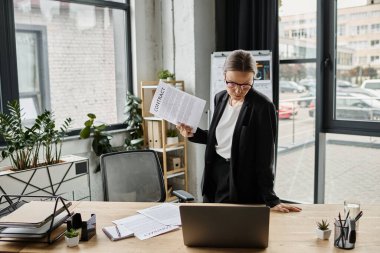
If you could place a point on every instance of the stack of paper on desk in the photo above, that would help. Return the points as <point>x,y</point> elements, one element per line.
<point>33,214</point>
<point>34,220</point>
<point>152,221</point>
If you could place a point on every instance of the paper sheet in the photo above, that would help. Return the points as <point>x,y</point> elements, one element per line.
<point>166,213</point>
<point>177,106</point>
<point>144,227</point>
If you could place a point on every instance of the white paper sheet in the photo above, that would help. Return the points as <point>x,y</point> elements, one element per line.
<point>166,213</point>
<point>177,106</point>
<point>144,227</point>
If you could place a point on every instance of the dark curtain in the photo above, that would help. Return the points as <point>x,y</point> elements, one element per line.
<point>249,25</point>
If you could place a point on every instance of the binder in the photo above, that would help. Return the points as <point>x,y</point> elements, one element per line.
<point>157,141</point>
<point>150,133</point>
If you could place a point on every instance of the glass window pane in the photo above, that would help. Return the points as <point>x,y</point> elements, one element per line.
<point>71,60</point>
<point>297,29</point>
<point>358,61</point>
<point>352,168</point>
<point>295,157</point>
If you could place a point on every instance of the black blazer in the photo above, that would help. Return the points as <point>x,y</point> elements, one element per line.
<point>252,151</point>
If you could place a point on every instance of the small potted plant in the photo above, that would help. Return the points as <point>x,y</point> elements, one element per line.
<point>323,231</point>
<point>171,77</point>
<point>171,136</point>
<point>72,237</point>
<point>166,75</point>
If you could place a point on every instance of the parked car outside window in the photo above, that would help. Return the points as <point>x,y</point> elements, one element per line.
<point>353,106</point>
<point>372,84</point>
<point>290,86</point>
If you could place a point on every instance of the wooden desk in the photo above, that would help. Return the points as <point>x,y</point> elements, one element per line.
<point>293,232</point>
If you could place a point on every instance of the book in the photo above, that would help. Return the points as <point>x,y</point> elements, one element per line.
<point>114,235</point>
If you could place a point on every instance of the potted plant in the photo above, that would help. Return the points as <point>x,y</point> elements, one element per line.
<point>171,136</point>
<point>72,237</point>
<point>134,120</point>
<point>323,231</point>
<point>101,142</point>
<point>166,75</point>
<point>23,144</point>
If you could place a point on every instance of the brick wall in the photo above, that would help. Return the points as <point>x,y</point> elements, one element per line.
<point>81,61</point>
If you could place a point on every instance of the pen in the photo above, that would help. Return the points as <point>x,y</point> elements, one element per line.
<point>358,216</point>
<point>348,214</point>
<point>118,231</point>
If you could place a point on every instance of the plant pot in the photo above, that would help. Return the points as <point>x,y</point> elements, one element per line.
<point>71,175</point>
<point>72,242</point>
<point>169,79</point>
<point>323,234</point>
<point>171,140</point>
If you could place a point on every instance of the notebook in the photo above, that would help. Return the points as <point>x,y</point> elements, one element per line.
<point>225,225</point>
<point>112,233</point>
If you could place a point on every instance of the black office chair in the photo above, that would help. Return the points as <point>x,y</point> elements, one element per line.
<point>135,176</point>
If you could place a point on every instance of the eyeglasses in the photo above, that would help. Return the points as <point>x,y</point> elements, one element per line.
<point>233,85</point>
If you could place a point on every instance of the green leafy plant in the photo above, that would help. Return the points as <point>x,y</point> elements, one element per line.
<point>171,133</point>
<point>164,74</point>
<point>71,233</point>
<point>323,225</point>
<point>101,142</point>
<point>134,139</point>
<point>23,143</point>
<point>50,137</point>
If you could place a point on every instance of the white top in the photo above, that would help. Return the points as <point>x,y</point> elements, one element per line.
<point>225,130</point>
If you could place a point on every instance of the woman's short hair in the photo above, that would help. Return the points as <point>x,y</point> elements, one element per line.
<point>240,60</point>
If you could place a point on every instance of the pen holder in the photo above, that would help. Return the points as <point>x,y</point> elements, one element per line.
<point>88,228</point>
<point>344,234</point>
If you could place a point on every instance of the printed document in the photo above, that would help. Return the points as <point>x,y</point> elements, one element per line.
<point>166,213</point>
<point>144,227</point>
<point>177,106</point>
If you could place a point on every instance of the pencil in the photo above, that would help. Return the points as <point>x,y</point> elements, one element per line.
<point>118,231</point>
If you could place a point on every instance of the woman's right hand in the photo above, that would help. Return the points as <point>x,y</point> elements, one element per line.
<point>184,130</point>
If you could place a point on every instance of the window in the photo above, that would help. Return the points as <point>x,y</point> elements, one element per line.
<point>32,75</point>
<point>375,28</point>
<point>352,169</point>
<point>72,59</point>
<point>341,30</point>
<point>375,43</point>
<point>294,180</point>
<point>375,58</point>
<point>354,73</point>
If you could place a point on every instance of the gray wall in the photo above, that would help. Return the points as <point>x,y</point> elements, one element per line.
<point>186,52</point>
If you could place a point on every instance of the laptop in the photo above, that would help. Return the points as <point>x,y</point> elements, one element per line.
<point>226,225</point>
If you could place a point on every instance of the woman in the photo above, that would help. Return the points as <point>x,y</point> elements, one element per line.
<point>240,141</point>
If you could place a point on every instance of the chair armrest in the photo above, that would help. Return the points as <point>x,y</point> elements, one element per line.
<point>183,196</point>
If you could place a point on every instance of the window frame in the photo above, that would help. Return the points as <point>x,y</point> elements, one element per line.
<point>327,60</point>
<point>42,59</point>
<point>8,60</point>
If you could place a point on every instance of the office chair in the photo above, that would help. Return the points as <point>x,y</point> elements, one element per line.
<point>135,176</point>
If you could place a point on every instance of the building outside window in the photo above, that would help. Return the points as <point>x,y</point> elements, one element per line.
<point>71,59</point>
<point>357,60</point>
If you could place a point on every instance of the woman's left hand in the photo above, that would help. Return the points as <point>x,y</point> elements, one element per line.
<point>286,208</point>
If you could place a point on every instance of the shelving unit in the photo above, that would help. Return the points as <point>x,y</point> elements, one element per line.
<point>174,178</point>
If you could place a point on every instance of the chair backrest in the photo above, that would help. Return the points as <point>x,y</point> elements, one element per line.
<point>133,176</point>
